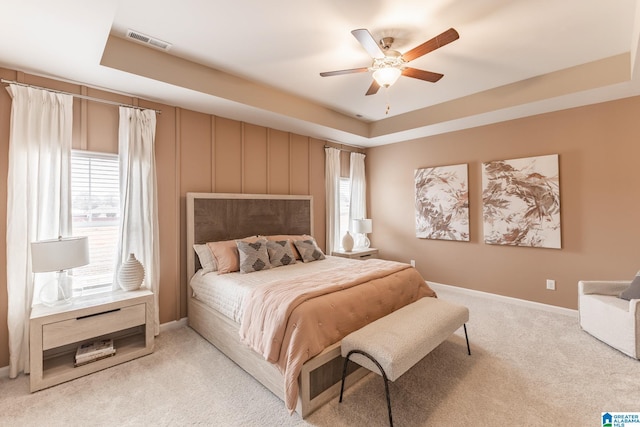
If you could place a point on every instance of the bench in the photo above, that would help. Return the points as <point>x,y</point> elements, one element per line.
<point>394,343</point>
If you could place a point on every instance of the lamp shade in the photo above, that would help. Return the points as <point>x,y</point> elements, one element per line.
<point>362,226</point>
<point>59,254</point>
<point>386,76</point>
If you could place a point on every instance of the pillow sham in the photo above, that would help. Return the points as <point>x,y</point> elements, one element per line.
<point>207,261</point>
<point>280,253</point>
<point>226,255</point>
<point>253,256</point>
<point>309,250</point>
<point>633,291</point>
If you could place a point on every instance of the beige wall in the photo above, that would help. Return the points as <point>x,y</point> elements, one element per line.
<point>598,147</point>
<point>194,152</point>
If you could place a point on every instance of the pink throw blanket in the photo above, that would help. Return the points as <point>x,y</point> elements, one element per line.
<point>288,322</point>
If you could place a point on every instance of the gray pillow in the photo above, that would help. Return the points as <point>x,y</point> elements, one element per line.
<point>633,291</point>
<point>309,250</point>
<point>253,256</point>
<point>280,253</point>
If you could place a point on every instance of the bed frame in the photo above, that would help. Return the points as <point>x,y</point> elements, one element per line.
<point>220,216</point>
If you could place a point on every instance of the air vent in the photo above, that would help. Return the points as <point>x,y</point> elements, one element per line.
<point>145,39</point>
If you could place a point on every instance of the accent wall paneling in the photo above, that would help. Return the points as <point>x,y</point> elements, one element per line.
<point>195,152</point>
<point>299,169</point>
<point>228,156</point>
<point>278,162</point>
<point>254,149</point>
<point>5,119</point>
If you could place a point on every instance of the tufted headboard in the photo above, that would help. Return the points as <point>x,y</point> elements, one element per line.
<point>214,217</point>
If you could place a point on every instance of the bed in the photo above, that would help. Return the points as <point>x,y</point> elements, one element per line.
<point>315,375</point>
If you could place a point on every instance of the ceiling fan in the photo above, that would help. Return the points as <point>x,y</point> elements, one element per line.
<point>389,64</point>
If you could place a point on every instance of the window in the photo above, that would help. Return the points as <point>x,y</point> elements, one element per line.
<point>345,199</point>
<point>95,203</point>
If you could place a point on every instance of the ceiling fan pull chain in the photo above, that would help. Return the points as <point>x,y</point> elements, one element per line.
<point>386,96</point>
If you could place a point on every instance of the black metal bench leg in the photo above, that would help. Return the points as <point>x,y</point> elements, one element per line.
<point>467,338</point>
<point>384,376</point>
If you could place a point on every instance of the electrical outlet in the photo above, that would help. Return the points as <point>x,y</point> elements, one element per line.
<point>551,284</point>
<point>413,263</point>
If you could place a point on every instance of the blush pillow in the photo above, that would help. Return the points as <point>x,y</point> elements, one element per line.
<point>633,291</point>
<point>226,254</point>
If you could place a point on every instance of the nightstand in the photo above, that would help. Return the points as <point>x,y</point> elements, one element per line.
<point>357,253</point>
<point>56,333</point>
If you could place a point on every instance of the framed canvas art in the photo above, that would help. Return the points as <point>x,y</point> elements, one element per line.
<point>442,203</point>
<point>521,202</point>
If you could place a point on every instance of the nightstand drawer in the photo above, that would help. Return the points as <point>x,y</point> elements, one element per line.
<point>86,327</point>
<point>360,254</point>
<point>365,256</point>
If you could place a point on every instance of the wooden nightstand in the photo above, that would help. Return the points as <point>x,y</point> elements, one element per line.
<point>56,333</point>
<point>357,253</point>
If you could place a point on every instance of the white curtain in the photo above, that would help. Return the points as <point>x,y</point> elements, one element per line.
<point>358,202</point>
<point>332,186</point>
<point>139,197</point>
<point>38,199</point>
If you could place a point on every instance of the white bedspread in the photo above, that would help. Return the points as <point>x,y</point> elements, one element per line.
<point>225,292</point>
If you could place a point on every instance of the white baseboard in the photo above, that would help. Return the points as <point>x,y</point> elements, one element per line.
<point>174,324</point>
<point>4,372</point>
<point>531,304</point>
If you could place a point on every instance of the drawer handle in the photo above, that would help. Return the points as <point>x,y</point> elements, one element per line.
<point>364,256</point>
<point>98,314</point>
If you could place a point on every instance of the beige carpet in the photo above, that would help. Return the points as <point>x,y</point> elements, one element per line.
<point>528,368</point>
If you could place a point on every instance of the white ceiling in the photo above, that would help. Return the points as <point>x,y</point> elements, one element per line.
<point>505,47</point>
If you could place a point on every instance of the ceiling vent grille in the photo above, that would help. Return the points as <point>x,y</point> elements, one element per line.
<point>150,41</point>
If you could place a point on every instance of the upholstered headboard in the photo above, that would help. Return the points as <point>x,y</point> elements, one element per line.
<point>214,217</point>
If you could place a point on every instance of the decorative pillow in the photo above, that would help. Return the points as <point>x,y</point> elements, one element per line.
<point>280,253</point>
<point>292,238</point>
<point>226,254</point>
<point>207,262</point>
<point>253,256</point>
<point>633,291</point>
<point>309,250</point>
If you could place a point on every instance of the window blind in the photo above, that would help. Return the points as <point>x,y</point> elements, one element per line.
<point>95,200</point>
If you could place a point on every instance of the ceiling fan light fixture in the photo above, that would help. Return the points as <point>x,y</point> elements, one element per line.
<point>386,76</point>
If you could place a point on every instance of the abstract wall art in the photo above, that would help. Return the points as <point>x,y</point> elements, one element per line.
<point>521,202</point>
<point>442,203</point>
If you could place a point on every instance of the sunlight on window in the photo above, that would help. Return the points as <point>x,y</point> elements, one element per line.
<point>95,194</point>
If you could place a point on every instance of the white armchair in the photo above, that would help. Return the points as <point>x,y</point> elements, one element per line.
<point>613,320</point>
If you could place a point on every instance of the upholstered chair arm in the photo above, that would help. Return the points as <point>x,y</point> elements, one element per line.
<point>634,307</point>
<point>602,287</point>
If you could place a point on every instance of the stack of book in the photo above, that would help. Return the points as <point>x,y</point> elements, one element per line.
<point>92,351</point>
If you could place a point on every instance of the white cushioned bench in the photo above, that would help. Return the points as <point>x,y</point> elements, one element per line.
<point>394,343</point>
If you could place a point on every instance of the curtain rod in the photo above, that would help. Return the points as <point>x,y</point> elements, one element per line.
<point>88,98</point>
<point>350,148</point>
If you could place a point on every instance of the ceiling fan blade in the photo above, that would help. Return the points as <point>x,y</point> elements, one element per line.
<point>341,72</point>
<point>431,45</point>
<point>422,74</point>
<point>373,89</point>
<point>368,43</point>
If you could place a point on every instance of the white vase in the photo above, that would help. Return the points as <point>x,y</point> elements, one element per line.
<point>347,242</point>
<point>131,274</point>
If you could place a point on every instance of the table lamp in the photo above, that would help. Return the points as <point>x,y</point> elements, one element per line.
<point>362,227</point>
<point>58,255</point>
